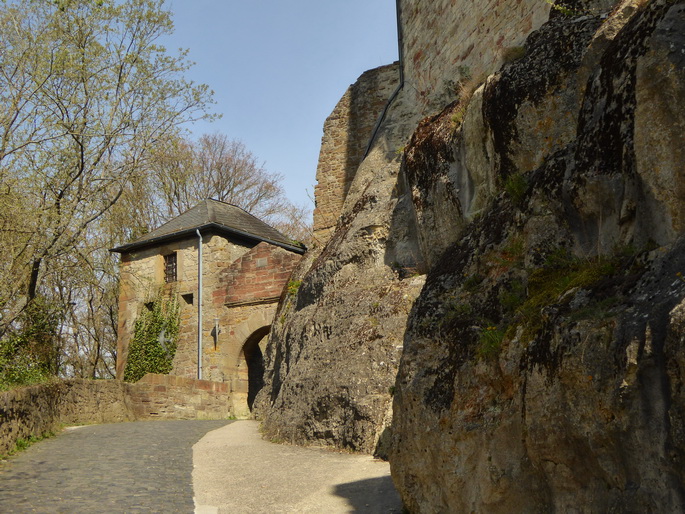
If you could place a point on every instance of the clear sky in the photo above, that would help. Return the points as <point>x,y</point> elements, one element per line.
<point>278,68</point>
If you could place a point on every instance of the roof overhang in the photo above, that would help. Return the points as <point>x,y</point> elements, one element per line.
<point>208,227</point>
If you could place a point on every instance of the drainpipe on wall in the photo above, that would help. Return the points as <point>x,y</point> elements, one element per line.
<point>199,305</point>
<point>400,51</point>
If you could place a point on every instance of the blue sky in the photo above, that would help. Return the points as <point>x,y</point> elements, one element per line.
<point>278,69</point>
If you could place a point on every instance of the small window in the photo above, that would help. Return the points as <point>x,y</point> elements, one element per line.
<point>170,268</point>
<point>188,298</point>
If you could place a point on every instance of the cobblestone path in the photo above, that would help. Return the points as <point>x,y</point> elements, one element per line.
<point>121,467</point>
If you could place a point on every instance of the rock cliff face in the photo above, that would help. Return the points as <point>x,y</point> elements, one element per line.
<point>334,351</point>
<point>543,360</point>
<point>520,271</point>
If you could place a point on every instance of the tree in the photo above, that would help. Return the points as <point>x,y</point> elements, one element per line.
<point>214,166</point>
<point>86,94</point>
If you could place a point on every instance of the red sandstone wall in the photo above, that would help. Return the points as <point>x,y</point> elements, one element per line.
<point>260,274</point>
<point>170,397</point>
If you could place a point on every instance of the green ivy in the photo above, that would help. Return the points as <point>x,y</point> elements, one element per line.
<point>28,354</point>
<point>146,354</point>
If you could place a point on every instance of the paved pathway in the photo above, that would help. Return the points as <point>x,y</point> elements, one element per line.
<point>236,471</point>
<point>122,467</point>
<point>154,467</point>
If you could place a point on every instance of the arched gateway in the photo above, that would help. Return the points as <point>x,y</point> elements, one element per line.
<point>227,269</point>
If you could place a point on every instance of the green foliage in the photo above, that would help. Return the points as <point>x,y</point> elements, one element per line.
<point>23,443</point>
<point>516,187</point>
<point>513,53</point>
<point>88,94</point>
<point>293,286</point>
<point>489,343</point>
<point>472,282</point>
<point>28,354</point>
<point>153,346</point>
<point>513,296</point>
<point>559,6</point>
<point>546,285</point>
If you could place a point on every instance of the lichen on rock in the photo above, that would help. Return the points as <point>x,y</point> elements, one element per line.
<point>542,366</point>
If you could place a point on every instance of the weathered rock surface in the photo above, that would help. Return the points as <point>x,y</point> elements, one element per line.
<point>543,361</point>
<point>334,350</point>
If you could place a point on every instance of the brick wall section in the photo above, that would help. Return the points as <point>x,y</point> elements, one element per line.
<point>171,397</point>
<point>442,37</point>
<point>37,410</point>
<point>260,274</point>
<point>347,132</point>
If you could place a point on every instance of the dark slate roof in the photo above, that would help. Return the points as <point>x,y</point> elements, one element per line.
<point>220,217</point>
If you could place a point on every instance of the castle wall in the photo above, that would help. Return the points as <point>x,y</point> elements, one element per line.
<point>446,40</point>
<point>142,277</point>
<point>39,410</point>
<point>347,132</point>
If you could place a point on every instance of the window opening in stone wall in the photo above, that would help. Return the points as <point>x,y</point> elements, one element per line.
<point>188,298</point>
<point>170,268</point>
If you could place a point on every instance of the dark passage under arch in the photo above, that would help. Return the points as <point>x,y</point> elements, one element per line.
<point>255,364</point>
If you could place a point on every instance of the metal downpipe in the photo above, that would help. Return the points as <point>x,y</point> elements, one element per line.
<point>199,305</point>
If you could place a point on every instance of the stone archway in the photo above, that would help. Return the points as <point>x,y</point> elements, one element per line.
<point>251,364</point>
<point>247,364</point>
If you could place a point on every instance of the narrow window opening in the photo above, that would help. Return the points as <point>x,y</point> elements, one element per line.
<point>188,298</point>
<point>170,268</point>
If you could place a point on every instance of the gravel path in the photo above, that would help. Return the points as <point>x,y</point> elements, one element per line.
<point>237,471</point>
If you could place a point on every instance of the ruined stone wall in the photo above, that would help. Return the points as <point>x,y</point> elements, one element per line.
<point>347,132</point>
<point>445,41</point>
<point>41,409</point>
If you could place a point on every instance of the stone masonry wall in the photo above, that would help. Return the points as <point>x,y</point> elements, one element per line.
<point>444,40</point>
<point>218,254</point>
<point>142,276</point>
<point>258,275</point>
<point>347,132</point>
<point>41,409</point>
<point>170,397</point>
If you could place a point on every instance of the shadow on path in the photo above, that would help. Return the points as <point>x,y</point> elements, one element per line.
<point>121,467</point>
<point>373,495</point>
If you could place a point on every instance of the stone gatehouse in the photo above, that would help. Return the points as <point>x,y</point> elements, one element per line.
<point>244,267</point>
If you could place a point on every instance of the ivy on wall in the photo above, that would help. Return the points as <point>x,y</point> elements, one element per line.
<point>155,335</point>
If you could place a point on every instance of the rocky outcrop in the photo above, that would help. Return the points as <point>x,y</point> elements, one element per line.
<point>520,268</point>
<point>334,350</point>
<point>543,360</point>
